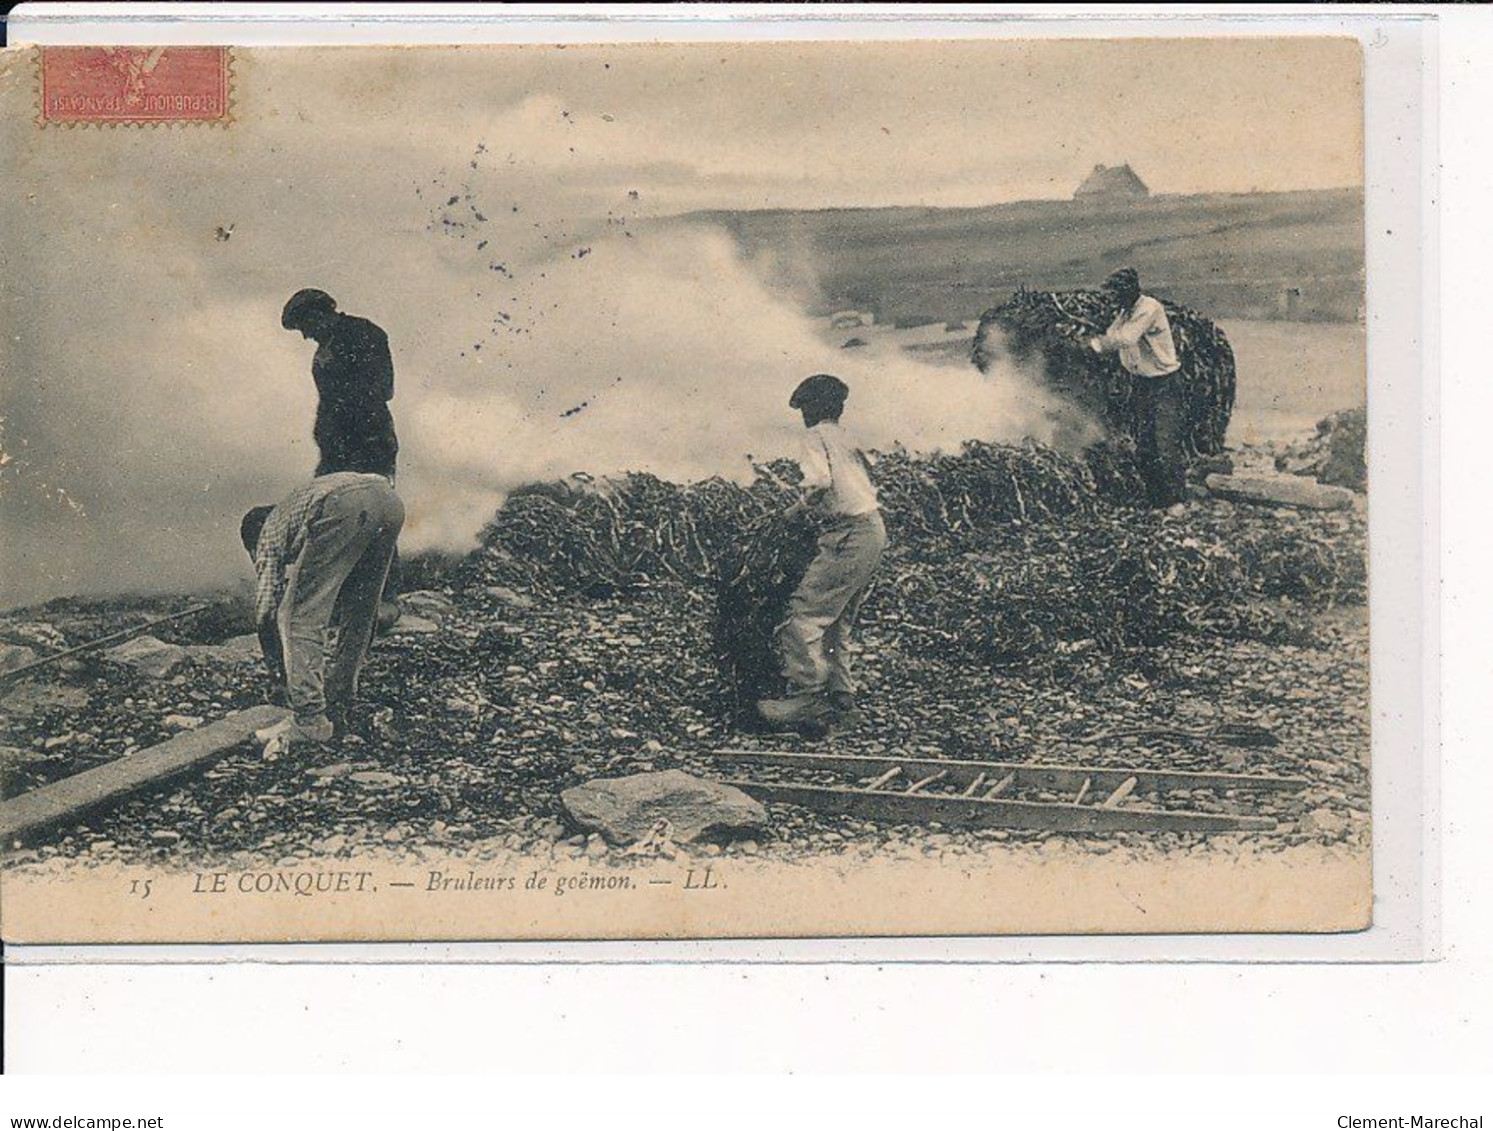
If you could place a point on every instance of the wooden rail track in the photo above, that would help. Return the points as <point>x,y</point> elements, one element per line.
<point>972,794</point>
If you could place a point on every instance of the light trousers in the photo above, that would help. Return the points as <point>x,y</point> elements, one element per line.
<point>331,601</point>
<point>814,642</point>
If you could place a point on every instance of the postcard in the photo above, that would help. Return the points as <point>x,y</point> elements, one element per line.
<point>684,490</point>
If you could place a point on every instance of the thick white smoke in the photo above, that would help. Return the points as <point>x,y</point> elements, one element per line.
<point>144,422</point>
<point>662,352</point>
<point>654,351</point>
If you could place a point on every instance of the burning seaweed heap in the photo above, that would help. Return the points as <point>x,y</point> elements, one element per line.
<point>1011,556</point>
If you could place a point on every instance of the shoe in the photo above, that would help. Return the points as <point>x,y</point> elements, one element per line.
<point>846,713</point>
<point>816,729</point>
<point>287,733</point>
<point>795,710</point>
<point>808,715</point>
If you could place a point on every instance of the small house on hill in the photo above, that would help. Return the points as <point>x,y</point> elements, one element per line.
<point>1112,182</point>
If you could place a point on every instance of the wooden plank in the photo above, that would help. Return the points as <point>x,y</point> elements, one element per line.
<point>974,786</point>
<point>999,787</point>
<point>929,780</point>
<point>1119,794</point>
<point>886,777</point>
<point>1058,778</point>
<point>969,812</point>
<point>1083,791</point>
<point>114,781</point>
<point>1280,491</point>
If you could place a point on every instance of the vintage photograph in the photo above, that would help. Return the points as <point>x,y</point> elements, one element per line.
<point>684,490</point>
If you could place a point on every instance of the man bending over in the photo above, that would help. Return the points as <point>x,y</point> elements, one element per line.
<point>321,556</point>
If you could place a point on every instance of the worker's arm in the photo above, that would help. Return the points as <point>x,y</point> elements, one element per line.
<point>1126,333</point>
<point>269,568</point>
<point>818,477</point>
<point>808,500</point>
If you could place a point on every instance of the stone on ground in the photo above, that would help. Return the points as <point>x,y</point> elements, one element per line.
<point>234,650</point>
<point>1280,491</point>
<point>376,779</point>
<point>510,596</point>
<point>426,603</point>
<point>624,809</point>
<point>150,657</point>
<point>29,698</point>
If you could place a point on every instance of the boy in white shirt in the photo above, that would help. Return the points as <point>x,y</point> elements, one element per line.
<point>814,642</point>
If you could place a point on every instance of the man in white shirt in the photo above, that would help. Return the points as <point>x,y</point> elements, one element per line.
<point>1141,334</point>
<point>814,642</point>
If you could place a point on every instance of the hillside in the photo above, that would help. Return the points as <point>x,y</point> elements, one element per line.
<point>1232,256</point>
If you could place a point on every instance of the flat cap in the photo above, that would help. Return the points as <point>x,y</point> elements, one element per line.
<point>822,388</point>
<point>302,303</point>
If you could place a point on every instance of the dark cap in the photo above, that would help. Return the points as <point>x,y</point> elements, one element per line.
<point>303,303</point>
<point>820,389</point>
<point>1125,279</point>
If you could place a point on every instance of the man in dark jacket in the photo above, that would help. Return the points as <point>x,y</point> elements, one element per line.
<point>354,375</point>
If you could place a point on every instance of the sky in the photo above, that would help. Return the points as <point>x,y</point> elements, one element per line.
<point>484,206</point>
<point>814,125</point>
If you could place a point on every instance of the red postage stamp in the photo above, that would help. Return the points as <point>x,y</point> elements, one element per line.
<point>134,85</point>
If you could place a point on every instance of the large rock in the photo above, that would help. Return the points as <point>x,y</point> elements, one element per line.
<point>14,656</point>
<point>1280,491</point>
<point>150,657</point>
<point>234,650</point>
<point>625,809</point>
<point>1335,455</point>
<point>1345,465</point>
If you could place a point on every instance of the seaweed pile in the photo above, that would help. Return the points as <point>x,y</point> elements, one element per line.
<point>1010,556</point>
<point>1053,327</point>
